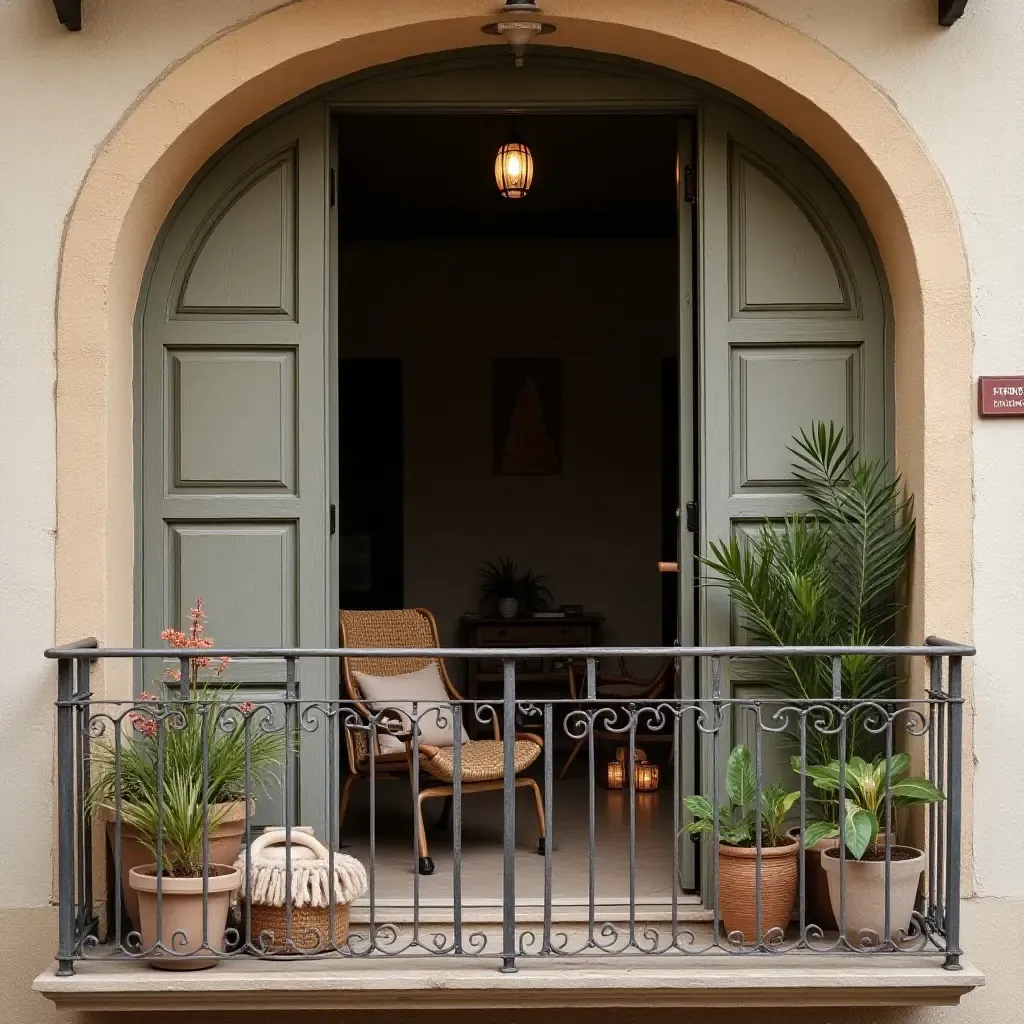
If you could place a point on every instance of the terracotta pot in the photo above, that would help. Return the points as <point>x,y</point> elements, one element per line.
<point>737,888</point>
<point>865,893</point>
<point>819,902</point>
<point>225,845</point>
<point>181,915</point>
<point>819,899</point>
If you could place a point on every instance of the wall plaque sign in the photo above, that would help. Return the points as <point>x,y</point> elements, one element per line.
<point>1001,396</point>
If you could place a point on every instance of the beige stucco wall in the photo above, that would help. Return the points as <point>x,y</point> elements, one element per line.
<point>64,94</point>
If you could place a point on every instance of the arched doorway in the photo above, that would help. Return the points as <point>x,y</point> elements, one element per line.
<point>213,94</point>
<point>208,98</point>
<point>779,320</point>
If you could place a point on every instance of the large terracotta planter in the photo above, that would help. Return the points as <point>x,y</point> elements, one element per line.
<point>737,888</point>
<point>180,928</point>
<point>225,844</point>
<point>865,892</point>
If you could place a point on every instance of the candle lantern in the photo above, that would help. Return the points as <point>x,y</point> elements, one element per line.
<point>616,771</point>
<point>616,774</point>
<point>646,776</point>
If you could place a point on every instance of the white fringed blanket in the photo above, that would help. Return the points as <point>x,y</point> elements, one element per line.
<point>310,872</point>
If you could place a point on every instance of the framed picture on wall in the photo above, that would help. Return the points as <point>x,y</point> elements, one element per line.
<point>526,404</point>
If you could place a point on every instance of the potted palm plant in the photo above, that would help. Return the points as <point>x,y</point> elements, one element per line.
<point>509,592</point>
<point>181,774</point>
<point>831,577</point>
<point>866,843</point>
<point>738,852</point>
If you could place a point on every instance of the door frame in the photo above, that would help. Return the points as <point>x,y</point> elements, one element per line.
<point>689,115</point>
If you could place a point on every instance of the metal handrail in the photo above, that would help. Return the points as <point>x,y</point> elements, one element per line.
<point>932,648</point>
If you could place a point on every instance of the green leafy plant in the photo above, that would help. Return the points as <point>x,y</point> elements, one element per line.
<point>865,798</point>
<point>156,774</point>
<point>738,826</point>
<point>830,577</point>
<point>505,581</point>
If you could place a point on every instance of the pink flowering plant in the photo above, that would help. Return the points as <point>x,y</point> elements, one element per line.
<point>160,777</point>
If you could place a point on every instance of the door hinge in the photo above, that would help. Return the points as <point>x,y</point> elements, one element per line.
<point>691,516</point>
<point>689,184</point>
<point>334,519</point>
<point>333,187</point>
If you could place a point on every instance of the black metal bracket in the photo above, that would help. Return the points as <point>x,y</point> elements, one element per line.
<point>691,517</point>
<point>70,14</point>
<point>951,11</point>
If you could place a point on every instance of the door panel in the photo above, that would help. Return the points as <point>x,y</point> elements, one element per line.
<point>793,330</point>
<point>233,414</point>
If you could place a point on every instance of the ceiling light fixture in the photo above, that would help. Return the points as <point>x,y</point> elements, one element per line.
<point>517,32</point>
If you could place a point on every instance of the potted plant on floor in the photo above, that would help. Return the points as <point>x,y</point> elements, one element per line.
<point>865,836</point>
<point>738,854</point>
<point>832,577</point>
<point>504,589</point>
<point>169,738</point>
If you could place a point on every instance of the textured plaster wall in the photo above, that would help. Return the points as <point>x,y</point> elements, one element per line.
<point>62,94</point>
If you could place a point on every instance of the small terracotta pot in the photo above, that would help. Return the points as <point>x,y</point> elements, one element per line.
<point>225,844</point>
<point>737,888</point>
<point>180,930</point>
<point>865,893</point>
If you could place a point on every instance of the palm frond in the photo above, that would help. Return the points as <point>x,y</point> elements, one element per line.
<point>831,577</point>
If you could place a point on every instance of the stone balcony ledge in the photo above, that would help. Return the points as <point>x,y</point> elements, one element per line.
<point>443,983</point>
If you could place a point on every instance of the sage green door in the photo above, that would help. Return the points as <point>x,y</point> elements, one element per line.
<point>233,424</point>
<point>793,329</point>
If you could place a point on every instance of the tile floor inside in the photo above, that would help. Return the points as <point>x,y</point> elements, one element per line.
<point>482,852</point>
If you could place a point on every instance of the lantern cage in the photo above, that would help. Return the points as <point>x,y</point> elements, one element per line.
<point>513,169</point>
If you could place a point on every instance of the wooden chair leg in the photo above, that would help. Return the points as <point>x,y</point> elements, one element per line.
<point>539,806</point>
<point>426,865</point>
<point>445,820</point>
<point>345,794</point>
<point>575,750</point>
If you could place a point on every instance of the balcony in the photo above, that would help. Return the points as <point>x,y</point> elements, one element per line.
<point>634,896</point>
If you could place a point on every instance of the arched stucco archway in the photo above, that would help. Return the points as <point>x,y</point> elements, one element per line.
<point>236,78</point>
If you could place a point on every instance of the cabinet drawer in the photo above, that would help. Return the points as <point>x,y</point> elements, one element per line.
<point>535,636</point>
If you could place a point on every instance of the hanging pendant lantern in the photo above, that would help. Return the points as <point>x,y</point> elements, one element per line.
<point>513,168</point>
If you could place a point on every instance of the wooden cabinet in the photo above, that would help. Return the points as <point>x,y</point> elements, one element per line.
<point>538,676</point>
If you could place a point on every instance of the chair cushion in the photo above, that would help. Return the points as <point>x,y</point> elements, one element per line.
<point>482,760</point>
<point>433,706</point>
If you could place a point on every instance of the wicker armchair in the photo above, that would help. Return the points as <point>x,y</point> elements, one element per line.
<point>482,766</point>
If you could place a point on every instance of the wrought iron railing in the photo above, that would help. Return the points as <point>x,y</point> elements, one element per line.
<point>929,724</point>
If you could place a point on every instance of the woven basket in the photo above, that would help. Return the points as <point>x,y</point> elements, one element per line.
<point>308,889</point>
<point>311,928</point>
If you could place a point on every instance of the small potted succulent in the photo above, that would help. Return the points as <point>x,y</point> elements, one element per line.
<point>737,850</point>
<point>865,836</point>
<point>153,785</point>
<point>505,589</point>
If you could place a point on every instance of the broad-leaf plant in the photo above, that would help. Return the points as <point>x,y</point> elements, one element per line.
<point>737,822</point>
<point>865,786</point>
